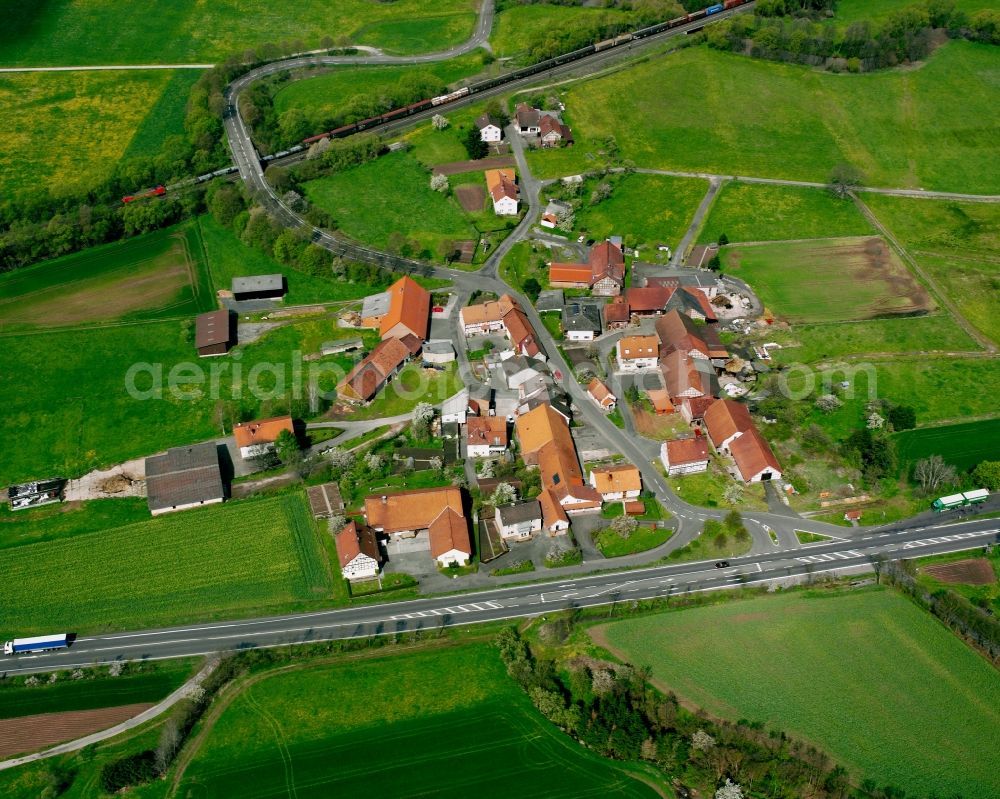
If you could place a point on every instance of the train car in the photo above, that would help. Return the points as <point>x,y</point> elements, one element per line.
<point>617,40</point>
<point>450,97</point>
<point>714,9</point>
<point>159,191</point>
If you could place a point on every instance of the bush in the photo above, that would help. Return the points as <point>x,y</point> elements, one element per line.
<point>131,770</point>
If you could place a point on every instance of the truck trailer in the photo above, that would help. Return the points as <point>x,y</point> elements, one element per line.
<point>40,643</point>
<point>963,500</point>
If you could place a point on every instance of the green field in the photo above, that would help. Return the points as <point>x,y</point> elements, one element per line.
<point>828,280</point>
<point>361,89</point>
<point>448,722</point>
<point>704,110</point>
<point>160,275</point>
<point>963,445</point>
<point>752,212</point>
<point>936,332</point>
<point>191,31</point>
<point>204,563</point>
<point>49,522</point>
<point>854,10</point>
<point>938,389</point>
<point>519,25</point>
<point>613,545</point>
<point>147,682</point>
<point>391,195</point>
<point>870,710</point>
<point>65,131</point>
<point>957,244</point>
<point>644,209</point>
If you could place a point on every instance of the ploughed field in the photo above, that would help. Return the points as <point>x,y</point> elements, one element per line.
<point>443,722</point>
<point>829,280</point>
<point>28,733</point>
<point>865,676</point>
<point>974,571</point>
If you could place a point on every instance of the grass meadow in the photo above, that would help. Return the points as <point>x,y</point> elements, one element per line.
<point>644,209</point>
<point>159,275</point>
<point>191,31</point>
<point>963,445</point>
<point>391,195</point>
<point>50,522</point>
<point>753,212</point>
<point>938,388</point>
<point>442,722</point>
<point>224,560</point>
<point>937,332</point>
<point>871,710</point>
<point>957,245</point>
<point>64,132</point>
<point>710,111</point>
<point>828,280</point>
<point>151,684</point>
<point>853,10</point>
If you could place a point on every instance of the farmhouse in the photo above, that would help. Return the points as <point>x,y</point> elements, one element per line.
<point>259,287</point>
<point>368,377</point>
<point>637,352</point>
<point>693,303</point>
<point>519,521</point>
<point>436,511</point>
<point>619,482</point>
<point>503,314</point>
<point>546,442</point>
<point>686,456</point>
<point>409,310</point>
<point>604,271</point>
<point>502,186</point>
<point>647,301</point>
<point>256,438</point>
<point>552,132</point>
<point>358,552</point>
<point>214,333</point>
<point>486,436</point>
<point>602,395</point>
<point>527,120</point>
<point>685,378</point>
<point>581,321</point>
<point>753,458</point>
<point>184,477</point>
<point>726,420</point>
<point>617,314</point>
<point>490,130</point>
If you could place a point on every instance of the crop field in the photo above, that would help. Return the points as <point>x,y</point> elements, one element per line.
<point>963,445</point>
<point>644,209</point>
<point>391,195</point>
<point>64,132</point>
<point>870,711</point>
<point>752,212</point>
<point>445,722</point>
<point>223,560</point>
<point>937,332</point>
<point>68,518</point>
<point>697,105</point>
<point>958,245</point>
<point>829,280</point>
<point>191,31</point>
<point>228,257</point>
<point>156,276</point>
<point>152,684</point>
<point>518,25</point>
<point>359,88</point>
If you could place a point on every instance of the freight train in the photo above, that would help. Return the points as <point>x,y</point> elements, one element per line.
<point>542,66</point>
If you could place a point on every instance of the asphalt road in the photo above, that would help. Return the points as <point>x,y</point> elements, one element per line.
<point>516,601</point>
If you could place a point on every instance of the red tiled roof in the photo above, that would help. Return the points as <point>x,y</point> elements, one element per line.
<point>680,375</point>
<point>501,183</point>
<point>612,479</point>
<point>491,430</point>
<point>409,307</point>
<point>449,531</point>
<point>600,392</point>
<point>725,417</point>
<point>355,540</point>
<point>633,347</point>
<point>365,379</point>
<point>410,510</point>
<point>698,405</point>
<point>606,260</point>
<point>677,331</point>
<point>687,450</point>
<point>262,431</point>
<point>616,311</point>
<point>644,300</point>
<point>752,454</point>
<point>569,273</point>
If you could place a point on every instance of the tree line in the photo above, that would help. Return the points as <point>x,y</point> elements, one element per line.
<point>614,711</point>
<point>777,33</point>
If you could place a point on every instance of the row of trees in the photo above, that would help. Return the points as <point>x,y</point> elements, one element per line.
<point>905,35</point>
<point>613,710</point>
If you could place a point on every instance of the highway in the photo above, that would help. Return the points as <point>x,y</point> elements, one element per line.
<point>433,613</point>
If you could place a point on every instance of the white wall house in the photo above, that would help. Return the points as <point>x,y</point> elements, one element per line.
<point>634,353</point>
<point>687,456</point>
<point>519,521</point>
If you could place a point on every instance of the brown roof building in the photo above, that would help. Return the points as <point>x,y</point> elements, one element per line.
<point>604,271</point>
<point>648,301</point>
<point>254,437</point>
<point>678,332</point>
<point>616,313</point>
<point>354,540</point>
<point>621,481</point>
<point>366,379</point>
<point>602,395</point>
<point>753,457</point>
<point>409,310</point>
<point>184,477</point>
<point>686,456</point>
<point>726,420</point>
<point>437,510</point>
<point>213,333</point>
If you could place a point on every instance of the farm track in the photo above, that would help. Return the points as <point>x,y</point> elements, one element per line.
<point>987,343</point>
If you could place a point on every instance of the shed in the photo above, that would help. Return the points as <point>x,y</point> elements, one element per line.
<point>259,287</point>
<point>184,477</point>
<point>214,333</point>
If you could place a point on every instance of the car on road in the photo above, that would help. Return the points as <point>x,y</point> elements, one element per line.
<point>721,564</point>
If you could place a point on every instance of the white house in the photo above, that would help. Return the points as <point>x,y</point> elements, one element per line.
<point>357,549</point>
<point>489,129</point>
<point>486,436</point>
<point>687,456</point>
<point>256,438</point>
<point>520,520</point>
<point>616,483</point>
<point>502,186</point>
<point>637,352</point>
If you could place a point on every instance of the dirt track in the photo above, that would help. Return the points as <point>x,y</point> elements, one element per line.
<point>28,733</point>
